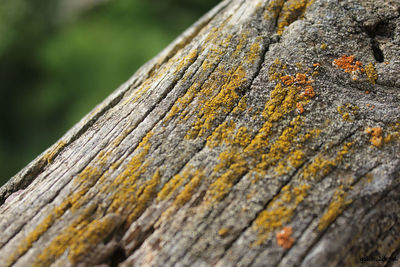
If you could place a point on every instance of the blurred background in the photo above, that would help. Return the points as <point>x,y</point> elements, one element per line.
<point>59,58</point>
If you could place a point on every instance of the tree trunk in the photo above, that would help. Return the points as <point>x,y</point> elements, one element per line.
<point>267,134</point>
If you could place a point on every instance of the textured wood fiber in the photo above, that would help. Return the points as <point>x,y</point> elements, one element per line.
<point>263,116</point>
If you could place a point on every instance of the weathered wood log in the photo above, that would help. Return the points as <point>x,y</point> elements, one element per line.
<point>267,134</point>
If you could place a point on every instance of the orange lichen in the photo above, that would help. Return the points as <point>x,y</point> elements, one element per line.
<point>309,91</point>
<point>376,136</point>
<point>243,153</point>
<point>283,237</point>
<point>287,80</point>
<point>301,78</point>
<point>301,82</point>
<point>349,65</point>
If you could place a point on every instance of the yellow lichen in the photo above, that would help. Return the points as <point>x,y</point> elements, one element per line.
<point>348,111</point>
<point>187,60</point>
<point>223,134</point>
<point>242,137</point>
<point>281,146</point>
<point>241,44</point>
<point>322,166</point>
<point>216,51</point>
<point>94,233</point>
<point>49,156</point>
<point>62,241</point>
<point>143,196</point>
<point>291,11</point>
<point>336,207</point>
<point>242,105</point>
<point>85,179</point>
<point>127,199</point>
<point>394,133</point>
<point>279,211</point>
<point>254,52</point>
<point>223,232</point>
<point>173,184</point>
<point>234,166</point>
<point>70,237</point>
<point>186,194</point>
<point>223,102</point>
<point>371,73</point>
<point>273,9</point>
<point>258,154</point>
<point>296,158</point>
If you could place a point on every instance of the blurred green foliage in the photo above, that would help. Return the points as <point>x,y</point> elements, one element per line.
<point>53,71</point>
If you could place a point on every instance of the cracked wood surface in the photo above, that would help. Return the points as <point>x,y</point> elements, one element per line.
<point>267,134</point>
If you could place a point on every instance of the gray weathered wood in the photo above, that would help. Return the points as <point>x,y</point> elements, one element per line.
<point>267,134</point>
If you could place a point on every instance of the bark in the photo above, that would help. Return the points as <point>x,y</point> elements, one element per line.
<point>267,134</point>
